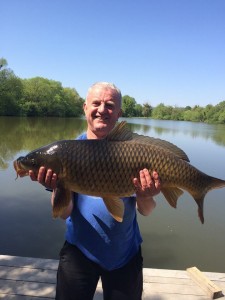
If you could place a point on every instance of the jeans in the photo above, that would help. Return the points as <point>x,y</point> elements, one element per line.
<point>77,277</point>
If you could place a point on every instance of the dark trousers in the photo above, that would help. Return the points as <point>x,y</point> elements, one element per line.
<point>78,276</point>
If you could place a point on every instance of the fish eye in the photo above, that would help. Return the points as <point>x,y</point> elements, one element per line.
<point>33,162</point>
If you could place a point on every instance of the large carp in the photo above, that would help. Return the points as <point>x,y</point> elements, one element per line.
<point>106,168</point>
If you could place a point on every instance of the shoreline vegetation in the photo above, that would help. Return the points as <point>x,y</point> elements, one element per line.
<point>42,97</point>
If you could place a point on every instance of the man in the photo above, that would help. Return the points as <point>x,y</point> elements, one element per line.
<point>96,244</point>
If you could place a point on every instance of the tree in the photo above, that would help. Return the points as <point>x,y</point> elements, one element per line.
<point>44,97</point>
<point>73,102</point>
<point>209,113</point>
<point>10,93</point>
<point>220,112</point>
<point>128,106</point>
<point>221,118</point>
<point>147,110</point>
<point>138,110</point>
<point>3,63</point>
<point>196,114</point>
<point>177,113</point>
<point>40,96</point>
<point>162,112</point>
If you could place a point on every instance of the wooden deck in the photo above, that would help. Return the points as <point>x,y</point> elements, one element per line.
<point>34,279</point>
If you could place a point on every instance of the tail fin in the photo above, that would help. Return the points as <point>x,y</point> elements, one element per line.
<point>214,183</point>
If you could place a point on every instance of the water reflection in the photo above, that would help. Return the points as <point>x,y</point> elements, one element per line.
<point>173,239</point>
<point>17,134</point>
<point>26,134</point>
<point>214,132</point>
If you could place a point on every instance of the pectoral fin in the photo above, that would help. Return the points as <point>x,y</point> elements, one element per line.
<point>115,206</point>
<point>61,201</point>
<point>172,194</point>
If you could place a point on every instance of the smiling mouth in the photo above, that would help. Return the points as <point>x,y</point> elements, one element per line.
<point>101,119</point>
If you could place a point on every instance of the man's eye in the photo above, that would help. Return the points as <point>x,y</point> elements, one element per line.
<point>110,105</point>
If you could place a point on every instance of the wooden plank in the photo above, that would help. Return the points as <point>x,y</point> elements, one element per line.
<point>27,288</point>
<point>21,297</point>
<point>24,278</point>
<point>16,289</point>
<point>180,274</point>
<point>165,273</point>
<point>207,285</point>
<point>27,274</point>
<point>175,288</point>
<point>28,282</point>
<point>27,278</point>
<point>19,261</point>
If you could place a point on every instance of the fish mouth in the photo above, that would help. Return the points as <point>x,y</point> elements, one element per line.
<point>20,171</point>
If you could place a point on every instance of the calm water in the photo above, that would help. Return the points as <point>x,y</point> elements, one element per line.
<point>173,238</point>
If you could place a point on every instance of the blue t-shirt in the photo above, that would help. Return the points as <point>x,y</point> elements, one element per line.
<point>98,235</point>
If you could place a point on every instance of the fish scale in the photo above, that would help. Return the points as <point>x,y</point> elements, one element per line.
<point>101,160</point>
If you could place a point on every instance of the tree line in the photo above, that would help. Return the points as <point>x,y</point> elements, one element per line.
<point>43,97</point>
<point>36,96</point>
<point>207,114</point>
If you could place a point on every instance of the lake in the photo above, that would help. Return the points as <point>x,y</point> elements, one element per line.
<point>173,238</point>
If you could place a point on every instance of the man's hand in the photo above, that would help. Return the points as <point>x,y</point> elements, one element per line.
<point>45,177</point>
<point>146,188</point>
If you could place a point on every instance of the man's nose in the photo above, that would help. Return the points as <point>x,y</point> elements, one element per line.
<point>101,107</point>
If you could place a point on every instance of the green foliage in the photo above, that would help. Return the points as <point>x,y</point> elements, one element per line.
<point>162,112</point>
<point>128,106</point>
<point>37,97</point>
<point>73,102</point>
<point>138,110</point>
<point>42,97</point>
<point>177,114</point>
<point>208,114</point>
<point>3,63</point>
<point>146,110</point>
<point>196,114</point>
<point>219,113</point>
<point>221,118</point>
<point>17,134</point>
<point>10,92</point>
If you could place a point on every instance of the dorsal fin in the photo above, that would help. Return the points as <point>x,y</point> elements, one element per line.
<point>165,145</point>
<point>122,133</point>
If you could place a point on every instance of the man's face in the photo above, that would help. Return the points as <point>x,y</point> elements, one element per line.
<point>102,110</point>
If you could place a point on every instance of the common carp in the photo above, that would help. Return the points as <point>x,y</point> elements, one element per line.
<point>106,167</point>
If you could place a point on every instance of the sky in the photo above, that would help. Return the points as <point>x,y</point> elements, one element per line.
<point>156,51</point>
